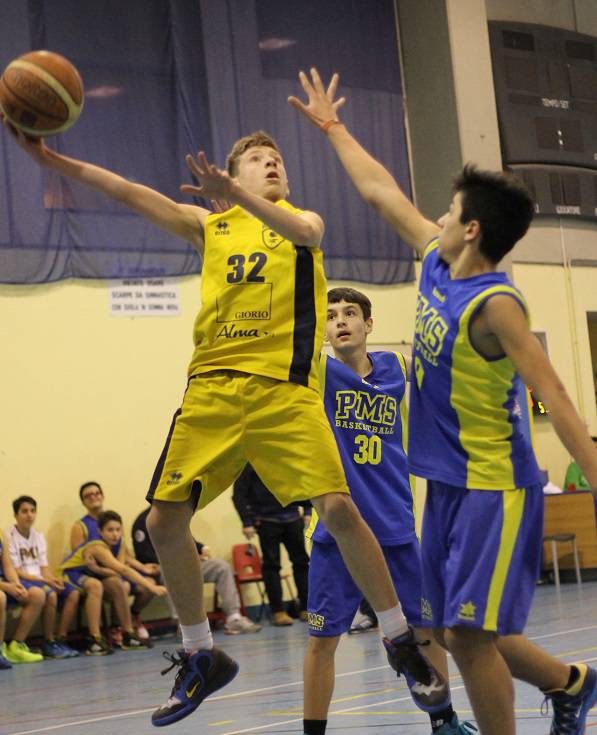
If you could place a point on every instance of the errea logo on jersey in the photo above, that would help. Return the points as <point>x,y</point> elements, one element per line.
<point>222,228</point>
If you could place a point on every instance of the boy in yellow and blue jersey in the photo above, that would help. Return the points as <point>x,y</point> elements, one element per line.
<point>364,399</point>
<point>473,349</point>
<point>78,570</point>
<point>251,392</point>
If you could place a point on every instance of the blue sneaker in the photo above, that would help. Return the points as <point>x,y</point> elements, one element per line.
<point>427,686</point>
<point>570,712</point>
<point>200,674</point>
<point>52,649</point>
<point>4,663</point>
<point>454,727</point>
<point>68,651</point>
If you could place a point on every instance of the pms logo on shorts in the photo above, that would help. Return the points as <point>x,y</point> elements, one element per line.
<point>316,621</point>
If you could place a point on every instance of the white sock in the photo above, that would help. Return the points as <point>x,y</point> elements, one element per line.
<point>195,637</point>
<point>392,622</point>
<point>233,616</point>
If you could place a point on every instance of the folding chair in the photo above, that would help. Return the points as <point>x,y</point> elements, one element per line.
<point>246,562</point>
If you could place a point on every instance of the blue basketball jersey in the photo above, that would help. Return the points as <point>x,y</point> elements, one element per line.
<point>92,533</point>
<point>368,418</point>
<point>467,426</point>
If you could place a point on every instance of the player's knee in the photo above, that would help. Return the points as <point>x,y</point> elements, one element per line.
<point>167,519</point>
<point>337,511</point>
<point>322,646</point>
<point>36,597</point>
<point>94,588</point>
<point>52,599</point>
<point>466,643</point>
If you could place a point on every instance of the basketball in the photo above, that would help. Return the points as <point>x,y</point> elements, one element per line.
<point>41,93</point>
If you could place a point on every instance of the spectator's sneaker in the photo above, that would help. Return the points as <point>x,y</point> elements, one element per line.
<point>115,635</point>
<point>51,649</point>
<point>68,651</point>
<point>241,625</point>
<point>4,662</point>
<point>132,642</point>
<point>97,647</point>
<point>200,674</point>
<point>140,629</point>
<point>363,624</point>
<point>281,618</point>
<point>570,711</point>
<point>427,686</point>
<point>454,727</point>
<point>18,652</point>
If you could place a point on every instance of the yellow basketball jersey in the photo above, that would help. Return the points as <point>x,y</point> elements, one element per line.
<point>263,301</point>
<point>76,558</point>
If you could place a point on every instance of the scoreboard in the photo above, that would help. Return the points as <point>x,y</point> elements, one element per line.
<point>546,93</point>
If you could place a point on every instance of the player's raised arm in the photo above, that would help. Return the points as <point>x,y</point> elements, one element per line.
<point>183,220</point>
<point>373,181</point>
<point>507,321</point>
<point>301,229</point>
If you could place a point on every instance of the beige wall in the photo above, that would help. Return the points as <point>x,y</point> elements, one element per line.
<point>88,396</point>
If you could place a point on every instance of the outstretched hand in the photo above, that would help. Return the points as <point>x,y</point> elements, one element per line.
<point>321,106</point>
<point>214,183</point>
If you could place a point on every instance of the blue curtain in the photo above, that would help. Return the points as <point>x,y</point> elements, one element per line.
<point>167,77</point>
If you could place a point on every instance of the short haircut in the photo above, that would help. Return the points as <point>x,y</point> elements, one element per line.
<point>85,485</point>
<point>16,504</point>
<point>351,296</point>
<point>107,516</point>
<point>502,205</point>
<point>254,140</point>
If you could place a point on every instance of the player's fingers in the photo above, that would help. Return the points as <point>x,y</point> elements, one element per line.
<point>339,103</point>
<point>297,104</point>
<point>195,191</point>
<point>305,83</point>
<point>333,86</point>
<point>317,83</point>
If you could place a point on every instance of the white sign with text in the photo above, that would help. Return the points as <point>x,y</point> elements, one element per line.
<point>144,297</point>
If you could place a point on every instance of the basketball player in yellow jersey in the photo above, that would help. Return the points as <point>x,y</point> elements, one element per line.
<point>251,394</point>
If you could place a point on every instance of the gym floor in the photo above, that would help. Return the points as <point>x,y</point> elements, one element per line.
<point>90,696</point>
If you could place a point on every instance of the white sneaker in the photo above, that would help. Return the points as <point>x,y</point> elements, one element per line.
<point>140,629</point>
<point>241,625</point>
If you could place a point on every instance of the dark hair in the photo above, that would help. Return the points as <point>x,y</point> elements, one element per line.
<point>258,138</point>
<point>85,485</point>
<point>502,205</point>
<point>16,504</point>
<point>352,296</point>
<point>106,517</point>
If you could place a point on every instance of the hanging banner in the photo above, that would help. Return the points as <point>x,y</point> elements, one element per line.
<point>144,297</point>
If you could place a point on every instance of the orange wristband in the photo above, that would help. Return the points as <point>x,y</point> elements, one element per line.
<point>328,124</point>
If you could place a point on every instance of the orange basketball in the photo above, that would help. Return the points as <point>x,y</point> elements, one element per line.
<point>41,93</point>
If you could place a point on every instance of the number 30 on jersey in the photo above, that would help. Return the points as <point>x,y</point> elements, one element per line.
<point>368,449</point>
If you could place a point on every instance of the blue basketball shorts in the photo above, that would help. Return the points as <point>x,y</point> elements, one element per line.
<point>334,598</point>
<point>481,556</point>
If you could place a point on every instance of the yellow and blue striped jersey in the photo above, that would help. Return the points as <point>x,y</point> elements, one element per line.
<point>263,301</point>
<point>76,558</point>
<point>467,424</point>
<point>369,419</point>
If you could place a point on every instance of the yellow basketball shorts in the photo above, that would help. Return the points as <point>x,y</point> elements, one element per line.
<point>229,418</point>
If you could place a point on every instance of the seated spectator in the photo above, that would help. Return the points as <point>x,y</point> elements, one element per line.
<point>12,593</point>
<point>28,553</point>
<point>261,513</point>
<point>86,529</point>
<point>99,556</point>
<point>575,480</point>
<point>217,571</point>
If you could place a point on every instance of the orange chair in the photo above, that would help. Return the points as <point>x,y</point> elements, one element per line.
<point>246,562</point>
